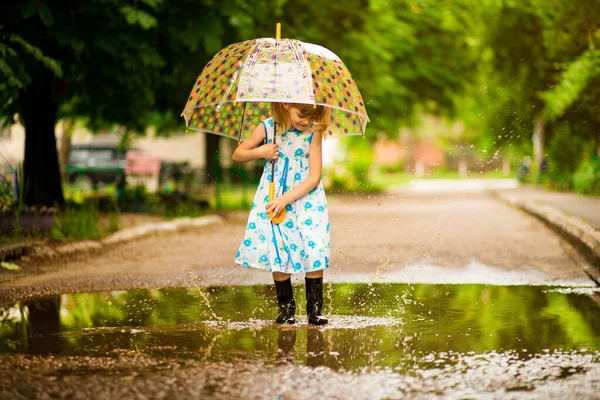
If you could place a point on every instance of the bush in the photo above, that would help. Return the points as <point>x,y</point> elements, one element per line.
<point>393,169</point>
<point>565,152</point>
<point>360,159</point>
<point>6,194</point>
<point>586,179</point>
<point>76,223</point>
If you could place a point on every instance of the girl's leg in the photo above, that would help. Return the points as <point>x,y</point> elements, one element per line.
<point>314,297</point>
<point>280,276</point>
<point>315,274</point>
<point>285,298</point>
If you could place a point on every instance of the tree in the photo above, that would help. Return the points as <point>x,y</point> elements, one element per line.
<point>407,56</point>
<point>534,65</point>
<point>107,61</point>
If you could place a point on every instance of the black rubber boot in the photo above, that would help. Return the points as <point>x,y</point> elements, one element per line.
<point>285,345</point>
<point>314,301</point>
<point>285,301</point>
<point>315,356</point>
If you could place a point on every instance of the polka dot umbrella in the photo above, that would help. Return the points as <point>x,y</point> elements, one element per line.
<point>232,94</point>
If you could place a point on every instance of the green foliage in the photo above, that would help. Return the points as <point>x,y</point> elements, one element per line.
<point>493,65</point>
<point>141,64</point>
<point>232,196</point>
<point>9,266</point>
<point>586,179</point>
<point>387,180</point>
<point>536,57</point>
<point>138,194</point>
<point>573,81</point>
<point>353,173</point>
<point>7,195</point>
<point>360,160</point>
<point>395,168</point>
<point>565,152</point>
<point>76,223</point>
<point>18,61</point>
<point>407,56</point>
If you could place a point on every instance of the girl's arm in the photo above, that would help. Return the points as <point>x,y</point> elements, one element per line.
<point>248,150</point>
<point>315,166</point>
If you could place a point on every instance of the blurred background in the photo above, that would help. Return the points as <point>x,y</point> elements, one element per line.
<point>91,92</point>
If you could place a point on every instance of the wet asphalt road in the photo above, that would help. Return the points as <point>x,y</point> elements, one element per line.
<point>447,237</point>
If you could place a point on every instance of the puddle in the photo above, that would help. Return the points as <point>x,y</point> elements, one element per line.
<point>405,327</point>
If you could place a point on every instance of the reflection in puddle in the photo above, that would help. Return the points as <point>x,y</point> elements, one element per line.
<point>403,327</point>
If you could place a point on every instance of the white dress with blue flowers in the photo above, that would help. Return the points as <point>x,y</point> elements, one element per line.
<point>301,242</point>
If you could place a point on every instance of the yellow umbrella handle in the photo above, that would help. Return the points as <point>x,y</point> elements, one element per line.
<point>279,219</point>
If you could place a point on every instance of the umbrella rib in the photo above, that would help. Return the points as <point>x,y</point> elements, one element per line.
<point>228,89</point>
<point>242,122</point>
<point>254,52</point>
<point>275,69</point>
<point>301,63</point>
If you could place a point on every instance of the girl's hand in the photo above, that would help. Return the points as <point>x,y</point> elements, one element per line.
<point>276,206</point>
<point>269,151</point>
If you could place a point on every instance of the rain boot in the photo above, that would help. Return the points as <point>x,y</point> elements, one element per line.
<point>286,341</point>
<point>314,301</point>
<point>315,345</point>
<point>285,301</point>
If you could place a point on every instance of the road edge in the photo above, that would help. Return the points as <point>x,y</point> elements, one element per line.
<point>573,229</point>
<point>15,251</point>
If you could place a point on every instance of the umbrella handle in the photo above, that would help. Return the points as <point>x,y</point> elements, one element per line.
<point>279,219</point>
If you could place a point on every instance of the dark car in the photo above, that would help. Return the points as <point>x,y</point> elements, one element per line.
<point>91,164</point>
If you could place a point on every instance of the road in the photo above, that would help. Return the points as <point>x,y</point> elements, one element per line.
<point>448,340</point>
<point>402,237</point>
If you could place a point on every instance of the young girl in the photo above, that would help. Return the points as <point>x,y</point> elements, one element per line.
<point>300,243</point>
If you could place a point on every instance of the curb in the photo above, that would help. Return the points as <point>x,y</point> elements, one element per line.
<point>575,230</point>
<point>18,250</point>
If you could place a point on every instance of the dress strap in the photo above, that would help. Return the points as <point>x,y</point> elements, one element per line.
<point>267,127</point>
<point>283,179</point>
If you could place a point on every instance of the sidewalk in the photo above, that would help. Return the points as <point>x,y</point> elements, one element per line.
<point>576,217</point>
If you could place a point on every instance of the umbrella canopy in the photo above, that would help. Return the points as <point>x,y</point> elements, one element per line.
<point>232,94</point>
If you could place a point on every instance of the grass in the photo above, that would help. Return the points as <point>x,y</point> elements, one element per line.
<point>395,179</point>
<point>77,223</point>
<point>404,178</point>
<point>71,223</point>
<point>231,197</point>
<point>77,194</point>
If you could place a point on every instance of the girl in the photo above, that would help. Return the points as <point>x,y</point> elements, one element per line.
<point>300,243</point>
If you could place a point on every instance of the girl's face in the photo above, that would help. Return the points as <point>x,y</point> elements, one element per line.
<point>298,120</point>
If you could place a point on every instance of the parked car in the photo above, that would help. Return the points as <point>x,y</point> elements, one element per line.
<point>90,164</point>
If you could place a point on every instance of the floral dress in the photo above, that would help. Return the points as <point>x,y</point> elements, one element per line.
<point>301,242</point>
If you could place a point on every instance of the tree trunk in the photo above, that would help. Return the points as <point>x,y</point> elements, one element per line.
<point>44,321</point>
<point>212,157</point>
<point>42,186</point>
<point>538,139</point>
<point>596,129</point>
<point>68,126</point>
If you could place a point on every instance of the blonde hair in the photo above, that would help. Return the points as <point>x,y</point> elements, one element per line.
<point>320,114</point>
